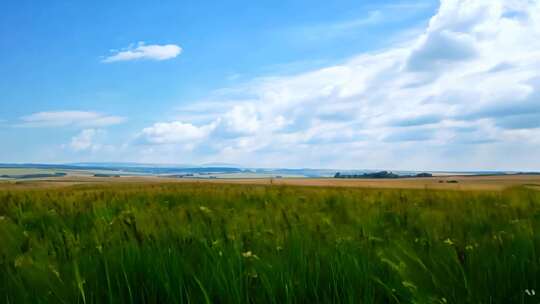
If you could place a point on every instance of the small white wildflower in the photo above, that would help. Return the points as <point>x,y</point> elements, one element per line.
<point>55,271</point>
<point>205,209</point>
<point>530,293</point>
<point>250,255</point>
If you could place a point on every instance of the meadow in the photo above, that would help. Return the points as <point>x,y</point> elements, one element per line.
<point>223,243</point>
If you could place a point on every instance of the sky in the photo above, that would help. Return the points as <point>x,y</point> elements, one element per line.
<point>400,85</point>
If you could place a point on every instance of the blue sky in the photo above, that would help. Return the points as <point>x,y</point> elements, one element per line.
<point>362,84</point>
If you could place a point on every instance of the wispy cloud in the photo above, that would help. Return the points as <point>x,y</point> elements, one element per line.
<point>417,5</point>
<point>372,18</point>
<point>330,30</point>
<point>377,15</point>
<point>141,51</point>
<point>69,118</point>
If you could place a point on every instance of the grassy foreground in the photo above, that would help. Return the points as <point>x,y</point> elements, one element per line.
<point>210,243</point>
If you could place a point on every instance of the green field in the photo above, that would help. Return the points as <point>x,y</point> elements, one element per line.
<point>212,243</point>
<point>23,171</point>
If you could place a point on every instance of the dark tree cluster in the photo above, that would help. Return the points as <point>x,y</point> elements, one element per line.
<point>380,174</point>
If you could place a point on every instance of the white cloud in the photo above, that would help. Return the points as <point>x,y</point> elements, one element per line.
<point>175,133</point>
<point>70,118</point>
<point>440,49</point>
<point>85,141</point>
<point>142,51</point>
<point>460,96</point>
<point>242,119</point>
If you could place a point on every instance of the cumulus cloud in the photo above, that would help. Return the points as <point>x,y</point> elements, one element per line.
<point>175,133</point>
<point>70,118</point>
<point>241,119</point>
<point>84,140</point>
<point>462,93</point>
<point>142,51</point>
<point>439,49</point>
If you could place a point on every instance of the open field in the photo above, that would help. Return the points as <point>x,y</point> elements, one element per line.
<point>463,182</point>
<point>209,242</point>
<point>23,171</point>
<point>496,182</point>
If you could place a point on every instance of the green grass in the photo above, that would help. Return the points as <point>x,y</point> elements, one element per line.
<point>211,243</point>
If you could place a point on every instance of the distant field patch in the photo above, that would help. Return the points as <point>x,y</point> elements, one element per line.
<point>25,171</point>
